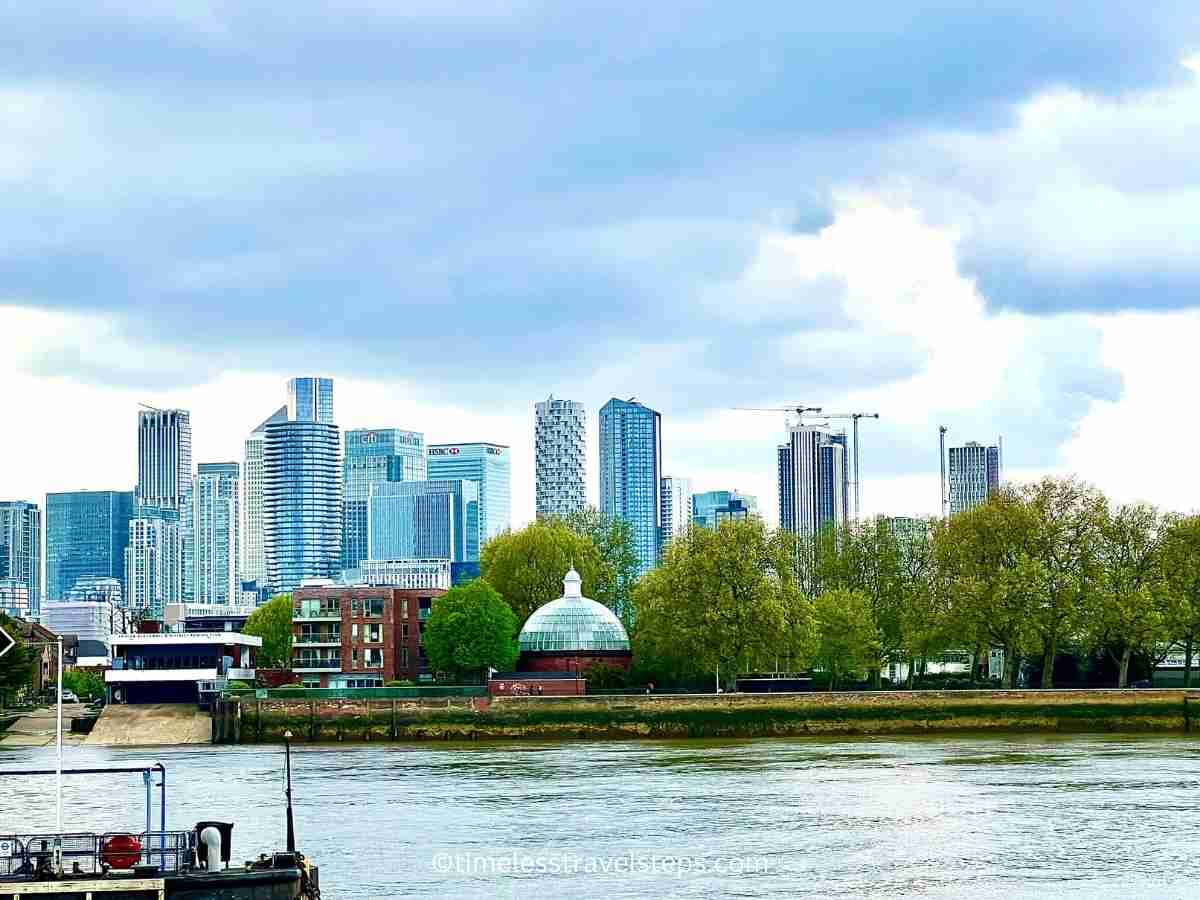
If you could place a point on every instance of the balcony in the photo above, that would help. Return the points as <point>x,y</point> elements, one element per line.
<point>319,639</point>
<point>316,611</point>
<point>306,662</point>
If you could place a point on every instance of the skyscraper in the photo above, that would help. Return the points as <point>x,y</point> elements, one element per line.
<point>310,400</point>
<point>86,536</point>
<point>812,480</point>
<point>153,567</point>
<point>21,557</point>
<point>975,474</point>
<point>374,456</point>
<point>216,527</point>
<point>488,466</point>
<point>424,520</point>
<point>676,506</point>
<point>559,437</point>
<point>302,489</point>
<point>630,472</point>
<point>164,457</point>
<point>254,559</point>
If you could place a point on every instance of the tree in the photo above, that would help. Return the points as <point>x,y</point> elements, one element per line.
<point>713,603</point>
<point>527,567</point>
<point>86,685</point>
<point>846,634</point>
<point>1180,560</point>
<point>470,629</point>
<point>273,623</point>
<point>1132,606</point>
<point>16,666</point>
<point>613,539</point>
<point>923,601</point>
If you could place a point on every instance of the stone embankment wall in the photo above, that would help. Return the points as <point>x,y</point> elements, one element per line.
<point>707,716</point>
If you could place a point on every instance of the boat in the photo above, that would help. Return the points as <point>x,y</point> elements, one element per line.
<point>149,864</point>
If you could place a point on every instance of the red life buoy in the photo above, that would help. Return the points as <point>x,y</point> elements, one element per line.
<point>121,851</point>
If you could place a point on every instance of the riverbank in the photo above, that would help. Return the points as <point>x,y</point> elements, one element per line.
<point>246,720</point>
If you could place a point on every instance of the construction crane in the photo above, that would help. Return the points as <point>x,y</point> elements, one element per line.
<point>942,459</point>
<point>800,409</point>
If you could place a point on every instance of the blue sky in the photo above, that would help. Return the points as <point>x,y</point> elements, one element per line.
<point>946,214</point>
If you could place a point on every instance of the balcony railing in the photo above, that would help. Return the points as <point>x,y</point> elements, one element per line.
<point>317,663</point>
<point>330,638</point>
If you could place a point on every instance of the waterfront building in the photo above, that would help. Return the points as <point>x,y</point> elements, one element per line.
<point>94,622</point>
<point>424,520</point>
<point>21,557</point>
<point>975,474</point>
<point>254,558</point>
<point>153,566</point>
<point>559,437</point>
<point>813,480</point>
<point>374,456</point>
<point>572,633</point>
<point>676,495</point>
<point>486,464</point>
<point>359,636</point>
<point>169,667</point>
<point>630,473</point>
<point>310,399</point>
<point>711,508</point>
<point>302,504</point>
<point>86,536</point>
<point>216,524</point>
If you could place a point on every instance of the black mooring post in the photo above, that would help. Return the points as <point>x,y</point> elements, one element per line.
<point>291,828</point>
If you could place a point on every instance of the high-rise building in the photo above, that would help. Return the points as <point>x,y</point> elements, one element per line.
<point>424,520</point>
<point>216,526</point>
<point>153,566</point>
<point>86,536</point>
<point>559,437</point>
<point>164,457</point>
<point>302,510</point>
<point>712,508</point>
<point>488,466</point>
<point>21,557</point>
<point>254,559</point>
<point>630,473</point>
<point>310,400</point>
<point>975,474</point>
<point>676,506</point>
<point>373,456</point>
<point>813,480</point>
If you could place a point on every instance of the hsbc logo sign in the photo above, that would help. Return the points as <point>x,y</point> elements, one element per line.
<point>443,451</point>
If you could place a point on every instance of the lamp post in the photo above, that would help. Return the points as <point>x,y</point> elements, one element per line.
<point>291,827</point>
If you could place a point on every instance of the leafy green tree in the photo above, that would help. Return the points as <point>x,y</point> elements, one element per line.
<point>713,603</point>
<point>1180,559</point>
<point>470,629</point>
<point>86,685</point>
<point>17,665</point>
<point>613,539</point>
<point>273,623</point>
<point>924,613</point>
<point>846,634</point>
<point>527,567</point>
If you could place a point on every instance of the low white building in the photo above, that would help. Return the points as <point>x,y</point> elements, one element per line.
<point>178,667</point>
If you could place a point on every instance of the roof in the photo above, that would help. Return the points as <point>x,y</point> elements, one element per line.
<point>573,623</point>
<point>183,638</point>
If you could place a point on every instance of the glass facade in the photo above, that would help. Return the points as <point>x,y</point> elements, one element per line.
<point>813,480</point>
<point>373,456</point>
<point>216,530</point>
<point>572,623</point>
<point>86,535</point>
<point>310,400</point>
<point>21,556</point>
<point>164,457</point>
<point>254,559</point>
<point>630,473</point>
<point>713,507</point>
<point>424,520</point>
<point>302,508</point>
<point>488,466</point>
<point>974,475</point>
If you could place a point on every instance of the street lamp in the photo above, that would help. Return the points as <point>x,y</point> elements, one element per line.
<point>291,827</point>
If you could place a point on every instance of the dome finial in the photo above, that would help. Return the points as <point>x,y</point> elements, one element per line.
<point>572,583</point>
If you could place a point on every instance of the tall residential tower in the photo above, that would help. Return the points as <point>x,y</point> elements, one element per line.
<point>559,437</point>
<point>216,526</point>
<point>677,507</point>
<point>630,473</point>
<point>254,559</point>
<point>20,558</point>
<point>975,474</point>
<point>813,480</point>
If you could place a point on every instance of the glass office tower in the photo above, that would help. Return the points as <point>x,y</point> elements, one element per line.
<point>86,536</point>
<point>310,400</point>
<point>373,456</point>
<point>424,520</point>
<point>488,466</point>
<point>631,471</point>
<point>21,556</point>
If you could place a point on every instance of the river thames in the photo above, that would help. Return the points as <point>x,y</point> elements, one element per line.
<point>980,817</point>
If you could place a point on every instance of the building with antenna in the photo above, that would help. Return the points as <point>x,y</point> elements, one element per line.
<point>975,474</point>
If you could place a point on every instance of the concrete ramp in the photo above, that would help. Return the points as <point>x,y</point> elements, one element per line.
<point>143,725</point>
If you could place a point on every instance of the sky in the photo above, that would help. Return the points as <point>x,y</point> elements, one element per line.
<point>985,218</point>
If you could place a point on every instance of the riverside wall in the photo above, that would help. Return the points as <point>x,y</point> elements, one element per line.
<point>247,720</point>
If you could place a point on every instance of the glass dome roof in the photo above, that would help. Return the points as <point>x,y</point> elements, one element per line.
<point>573,623</point>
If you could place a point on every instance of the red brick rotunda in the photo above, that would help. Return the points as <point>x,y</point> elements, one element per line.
<point>573,633</point>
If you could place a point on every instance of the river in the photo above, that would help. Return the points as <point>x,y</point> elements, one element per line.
<point>979,817</point>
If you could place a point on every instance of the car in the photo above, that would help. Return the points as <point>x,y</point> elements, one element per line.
<point>69,697</point>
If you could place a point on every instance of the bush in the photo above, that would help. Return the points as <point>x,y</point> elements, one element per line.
<point>236,686</point>
<point>404,683</point>
<point>605,676</point>
<point>86,685</point>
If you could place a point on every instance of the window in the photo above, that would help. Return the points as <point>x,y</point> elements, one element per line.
<point>404,608</point>
<point>354,632</point>
<point>374,634</point>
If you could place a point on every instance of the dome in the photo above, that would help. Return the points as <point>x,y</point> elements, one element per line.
<point>573,623</point>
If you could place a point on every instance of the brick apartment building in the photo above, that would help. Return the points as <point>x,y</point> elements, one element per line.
<point>358,636</point>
